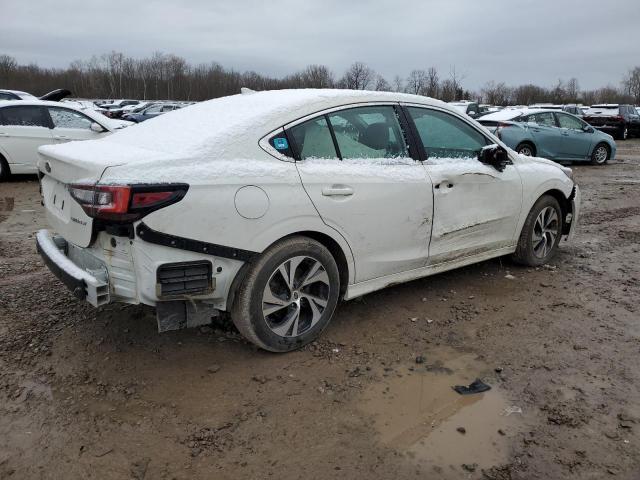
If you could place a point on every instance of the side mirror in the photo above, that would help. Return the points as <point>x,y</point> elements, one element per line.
<point>587,129</point>
<point>494,155</point>
<point>96,127</point>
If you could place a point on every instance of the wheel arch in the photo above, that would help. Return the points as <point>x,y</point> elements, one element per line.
<point>345,267</point>
<point>565,206</point>
<point>531,143</point>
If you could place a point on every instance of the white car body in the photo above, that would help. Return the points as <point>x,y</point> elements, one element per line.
<point>18,93</point>
<point>387,220</point>
<point>19,143</point>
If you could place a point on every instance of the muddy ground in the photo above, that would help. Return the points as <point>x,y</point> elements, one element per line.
<point>100,394</point>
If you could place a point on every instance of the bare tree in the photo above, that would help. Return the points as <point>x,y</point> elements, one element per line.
<point>416,82</point>
<point>572,90</point>
<point>358,77</point>
<point>398,84</point>
<point>456,79</point>
<point>317,76</point>
<point>632,84</point>
<point>382,85</point>
<point>496,94</point>
<point>433,83</point>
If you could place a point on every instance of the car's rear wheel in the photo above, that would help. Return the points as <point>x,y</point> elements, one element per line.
<point>288,296</point>
<point>624,133</point>
<point>526,149</point>
<point>540,234</point>
<point>5,172</point>
<point>600,154</point>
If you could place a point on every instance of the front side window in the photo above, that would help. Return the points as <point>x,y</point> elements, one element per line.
<point>313,139</point>
<point>445,136</point>
<point>63,118</point>
<point>25,116</point>
<point>544,119</point>
<point>368,132</point>
<point>567,121</point>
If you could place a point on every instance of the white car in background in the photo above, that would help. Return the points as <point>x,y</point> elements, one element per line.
<point>26,125</point>
<point>275,205</point>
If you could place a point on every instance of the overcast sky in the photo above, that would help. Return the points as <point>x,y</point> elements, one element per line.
<point>515,41</point>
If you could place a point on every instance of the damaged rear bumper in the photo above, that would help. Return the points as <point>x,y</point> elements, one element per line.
<point>90,284</point>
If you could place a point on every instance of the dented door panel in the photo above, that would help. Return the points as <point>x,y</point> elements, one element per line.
<point>476,208</point>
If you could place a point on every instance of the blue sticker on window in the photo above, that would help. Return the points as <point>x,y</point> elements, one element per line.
<point>280,143</point>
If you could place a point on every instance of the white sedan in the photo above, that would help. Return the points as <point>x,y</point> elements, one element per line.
<point>28,124</point>
<point>275,205</point>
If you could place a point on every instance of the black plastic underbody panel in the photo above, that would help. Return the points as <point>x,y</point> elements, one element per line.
<point>152,236</point>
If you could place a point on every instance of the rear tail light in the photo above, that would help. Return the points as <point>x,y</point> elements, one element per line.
<point>125,203</point>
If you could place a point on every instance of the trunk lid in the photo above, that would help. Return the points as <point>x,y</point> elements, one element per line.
<point>79,163</point>
<point>64,214</point>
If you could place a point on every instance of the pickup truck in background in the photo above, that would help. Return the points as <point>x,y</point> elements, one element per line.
<point>620,121</point>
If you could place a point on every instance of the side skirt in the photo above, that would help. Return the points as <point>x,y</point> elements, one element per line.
<point>362,288</point>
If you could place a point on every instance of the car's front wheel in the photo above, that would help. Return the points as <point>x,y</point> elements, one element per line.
<point>600,154</point>
<point>288,295</point>
<point>540,234</point>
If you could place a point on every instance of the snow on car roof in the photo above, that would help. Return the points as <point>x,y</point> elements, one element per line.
<point>510,114</point>
<point>226,127</point>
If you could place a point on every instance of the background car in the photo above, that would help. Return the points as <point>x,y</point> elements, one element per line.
<point>151,111</point>
<point>621,121</point>
<point>53,96</point>
<point>465,106</point>
<point>550,134</point>
<point>25,125</point>
<point>275,205</point>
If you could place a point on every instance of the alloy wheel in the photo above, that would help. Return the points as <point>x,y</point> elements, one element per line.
<point>601,154</point>
<point>545,231</point>
<point>525,150</point>
<point>295,296</point>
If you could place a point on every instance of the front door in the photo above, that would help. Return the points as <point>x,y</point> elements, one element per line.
<point>476,207</point>
<point>71,125</point>
<point>355,167</point>
<point>576,142</point>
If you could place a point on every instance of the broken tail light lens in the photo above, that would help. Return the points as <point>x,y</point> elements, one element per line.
<point>125,203</point>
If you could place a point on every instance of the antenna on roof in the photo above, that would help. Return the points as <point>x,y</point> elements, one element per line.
<point>246,91</point>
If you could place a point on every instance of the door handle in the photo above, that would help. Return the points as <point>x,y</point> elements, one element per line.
<point>61,137</point>
<point>2,134</point>
<point>565,134</point>
<point>444,185</point>
<point>337,191</point>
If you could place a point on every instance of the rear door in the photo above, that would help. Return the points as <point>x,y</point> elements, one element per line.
<point>356,168</point>
<point>475,207</point>
<point>70,125</point>
<point>22,130</point>
<point>545,133</point>
<point>576,143</point>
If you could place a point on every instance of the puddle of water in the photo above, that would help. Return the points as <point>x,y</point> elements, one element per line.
<point>420,413</point>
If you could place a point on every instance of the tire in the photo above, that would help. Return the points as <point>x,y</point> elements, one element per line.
<point>527,149</point>
<point>540,227</point>
<point>5,172</point>
<point>600,154</point>
<point>278,312</point>
<point>623,134</point>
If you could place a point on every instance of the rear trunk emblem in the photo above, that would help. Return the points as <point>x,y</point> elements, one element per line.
<point>47,167</point>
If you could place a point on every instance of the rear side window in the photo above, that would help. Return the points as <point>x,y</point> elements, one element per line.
<point>544,119</point>
<point>445,136</point>
<point>64,118</point>
<point>25,116</point>
<point>368,132</point>
<point>313,139</point>
<point>567,121</point>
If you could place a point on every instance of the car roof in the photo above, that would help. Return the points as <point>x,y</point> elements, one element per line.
<point>228,127</point>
